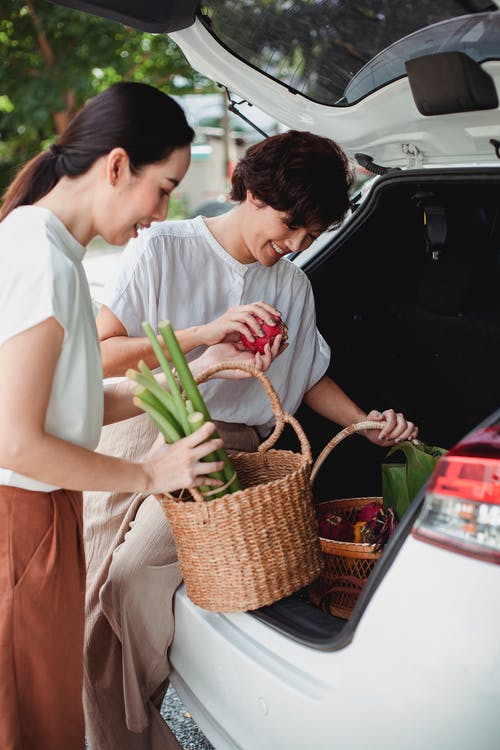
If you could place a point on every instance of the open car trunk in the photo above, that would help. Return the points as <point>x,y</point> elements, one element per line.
<point>408,297</point>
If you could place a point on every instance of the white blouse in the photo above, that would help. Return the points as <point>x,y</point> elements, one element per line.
<point>42,276</point>
<point>177,271</point>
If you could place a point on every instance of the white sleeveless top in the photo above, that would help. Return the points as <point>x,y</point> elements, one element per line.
<point>42,276</point>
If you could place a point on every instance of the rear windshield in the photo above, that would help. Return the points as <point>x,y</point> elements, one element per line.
<point>329,50</point>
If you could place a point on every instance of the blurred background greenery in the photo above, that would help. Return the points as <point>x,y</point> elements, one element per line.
<point>54,59</point>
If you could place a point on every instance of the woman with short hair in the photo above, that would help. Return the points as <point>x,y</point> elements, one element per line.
<point>208,276</point>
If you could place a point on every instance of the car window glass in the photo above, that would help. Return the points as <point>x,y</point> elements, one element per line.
<point>325,49</point>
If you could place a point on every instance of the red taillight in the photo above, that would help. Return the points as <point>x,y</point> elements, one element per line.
<point>462,507</point>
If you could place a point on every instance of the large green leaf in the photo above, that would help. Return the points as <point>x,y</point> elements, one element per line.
<point>395,488</point>
<point>402,481</point>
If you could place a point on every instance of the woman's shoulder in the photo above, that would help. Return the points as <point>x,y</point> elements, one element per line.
<point>156,248</point>
<point>39,267</point>
<point>25,221</point>
<point>172,230</point>
<point>161,241</point>
<point>290,268</point>
<point>285,272</point>
<point>24,234</point>
<point>34,238</point>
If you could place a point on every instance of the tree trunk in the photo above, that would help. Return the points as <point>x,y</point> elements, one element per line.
<point>62,118</point>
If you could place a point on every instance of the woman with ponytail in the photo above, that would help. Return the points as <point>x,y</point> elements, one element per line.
<point>110,174</point>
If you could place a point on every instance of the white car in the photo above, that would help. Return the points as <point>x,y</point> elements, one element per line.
<point>410,90</point>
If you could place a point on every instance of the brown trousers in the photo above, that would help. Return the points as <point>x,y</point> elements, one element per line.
<point>42,590</point>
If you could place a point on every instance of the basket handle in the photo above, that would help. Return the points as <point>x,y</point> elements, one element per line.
<point>282,417</point>
<point>336,439</point>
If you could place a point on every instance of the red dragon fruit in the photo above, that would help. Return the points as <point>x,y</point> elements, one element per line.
<point>270,333</point>
<point>333,526</point>
<point>372,525</point>
<point>369,513</point>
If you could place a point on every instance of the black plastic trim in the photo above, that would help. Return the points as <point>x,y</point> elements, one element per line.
<point>148,15</point>
<point>449,82</point>
<point>420,178</point>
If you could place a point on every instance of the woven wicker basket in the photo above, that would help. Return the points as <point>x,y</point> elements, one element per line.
<point>347,564</point>
<point>253,547</point>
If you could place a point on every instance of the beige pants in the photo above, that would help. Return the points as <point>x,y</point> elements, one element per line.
<point>132,575</point>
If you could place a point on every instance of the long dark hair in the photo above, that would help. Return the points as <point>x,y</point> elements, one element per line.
<point>297,172</point>
<point>141,119</point>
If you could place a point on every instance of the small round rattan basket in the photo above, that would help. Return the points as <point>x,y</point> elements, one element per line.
<point>347,565</point>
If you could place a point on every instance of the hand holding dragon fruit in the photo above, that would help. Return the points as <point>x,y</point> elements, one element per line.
<point>270,333</point>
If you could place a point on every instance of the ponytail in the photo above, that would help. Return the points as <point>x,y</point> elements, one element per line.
<point>34,180</point>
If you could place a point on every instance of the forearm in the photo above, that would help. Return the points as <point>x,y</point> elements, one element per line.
<point>57,462</point>
<point>121,352</point>
<point>329,400</point>
<point>118,403</point>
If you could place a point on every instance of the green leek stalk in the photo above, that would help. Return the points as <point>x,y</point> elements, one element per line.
<point>149,398</point>
<point>171,381</point>
<point>164,426</point>
<point>168,398</point>
<point>197,420</point>
<point>160,395</point>
<point>191,389</point>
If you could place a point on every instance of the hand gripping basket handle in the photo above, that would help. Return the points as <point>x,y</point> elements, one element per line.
<point>336,439</point>
<point>282,417</point>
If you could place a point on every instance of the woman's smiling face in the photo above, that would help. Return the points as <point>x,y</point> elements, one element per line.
<point>268,236</point>
<point>141,198</point>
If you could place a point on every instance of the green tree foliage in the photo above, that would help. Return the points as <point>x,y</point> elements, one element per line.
<point>54,59</point>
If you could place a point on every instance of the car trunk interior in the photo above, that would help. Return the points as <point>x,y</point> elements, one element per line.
<point>408,298</point>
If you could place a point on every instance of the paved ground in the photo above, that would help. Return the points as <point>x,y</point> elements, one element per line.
<point>181,723</point>
<point>100,265</point>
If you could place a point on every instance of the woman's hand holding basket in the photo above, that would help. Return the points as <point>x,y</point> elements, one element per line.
<point>395,428</point>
